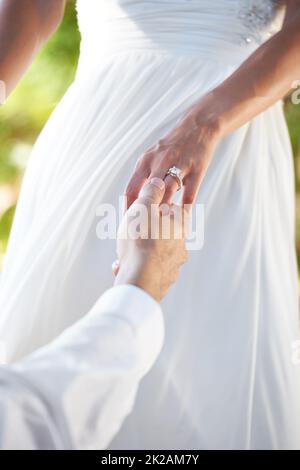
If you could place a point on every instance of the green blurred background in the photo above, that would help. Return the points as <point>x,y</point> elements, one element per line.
<point>29,107</point>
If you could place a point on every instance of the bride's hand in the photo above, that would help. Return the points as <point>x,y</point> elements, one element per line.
<point>189,147</point>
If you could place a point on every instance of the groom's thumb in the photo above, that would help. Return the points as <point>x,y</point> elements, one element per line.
<point>153,192</point>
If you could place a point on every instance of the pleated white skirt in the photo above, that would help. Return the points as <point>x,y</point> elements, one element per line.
<point>225,378</point>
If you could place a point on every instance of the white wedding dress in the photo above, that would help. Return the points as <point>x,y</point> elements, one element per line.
<point>225,378</point>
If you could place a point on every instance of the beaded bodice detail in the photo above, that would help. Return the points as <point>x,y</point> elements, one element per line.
<point>259,16</point>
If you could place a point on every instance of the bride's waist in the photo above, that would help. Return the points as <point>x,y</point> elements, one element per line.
<point>204,43</point>
<point>221,28</point>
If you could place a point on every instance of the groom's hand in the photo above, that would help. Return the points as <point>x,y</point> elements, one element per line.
<point>151,242</point>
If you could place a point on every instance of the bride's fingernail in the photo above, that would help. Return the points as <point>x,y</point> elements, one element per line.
<point>164,209</point>
<point>158,183</point>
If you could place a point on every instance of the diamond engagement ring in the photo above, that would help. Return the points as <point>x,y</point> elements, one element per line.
<point>175,173</point>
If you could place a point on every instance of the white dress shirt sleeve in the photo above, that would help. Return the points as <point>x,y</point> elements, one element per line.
<point>75,392</point>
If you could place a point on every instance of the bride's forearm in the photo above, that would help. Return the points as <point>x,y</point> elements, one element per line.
<point>267,76</point>
<point>24,27</point>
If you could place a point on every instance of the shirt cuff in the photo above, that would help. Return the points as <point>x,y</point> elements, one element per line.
<point>144,315</point>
